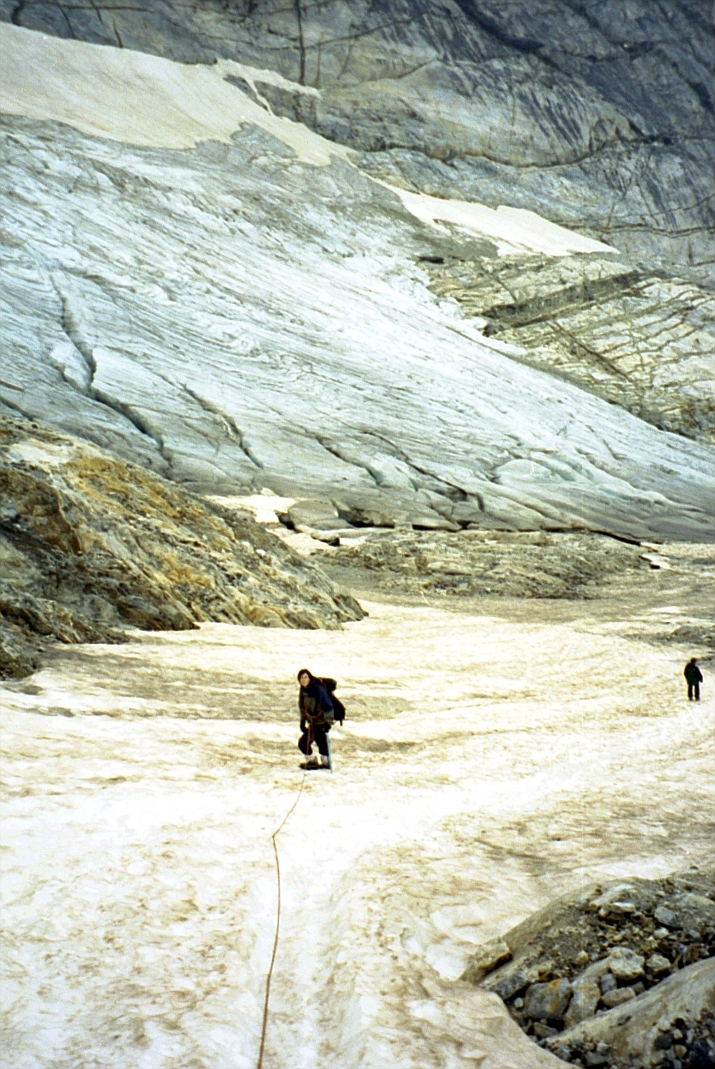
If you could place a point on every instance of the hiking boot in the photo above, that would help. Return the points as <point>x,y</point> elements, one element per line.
<point>310,764</point>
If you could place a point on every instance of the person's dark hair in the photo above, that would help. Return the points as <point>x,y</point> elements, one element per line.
<point>305,672</point>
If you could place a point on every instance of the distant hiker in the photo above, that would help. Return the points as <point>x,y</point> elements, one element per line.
<point>316,719</point>
<point>694,678</point>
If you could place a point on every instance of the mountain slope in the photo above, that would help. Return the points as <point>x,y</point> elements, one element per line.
<point>598,115</point>
<point>235,315</point>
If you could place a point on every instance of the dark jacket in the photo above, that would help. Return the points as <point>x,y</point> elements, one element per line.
<point>692,673</point>
<point>315,705</point>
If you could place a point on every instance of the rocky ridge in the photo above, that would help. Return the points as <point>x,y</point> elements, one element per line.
<point>91,545</point>
<point>478,562</point>
<point>621,974</point>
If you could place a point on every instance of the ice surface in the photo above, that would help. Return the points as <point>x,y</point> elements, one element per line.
<point>475,779</point>
<point>238,318</point>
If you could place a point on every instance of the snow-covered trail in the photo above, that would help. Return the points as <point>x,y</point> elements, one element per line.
<point>487,765</point>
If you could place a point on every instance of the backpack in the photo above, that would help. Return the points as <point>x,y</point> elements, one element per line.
<point>338,707</point>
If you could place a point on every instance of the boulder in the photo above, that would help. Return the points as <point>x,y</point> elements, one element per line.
<point>514,981</point>
<point>689,911</point>
<point>315,515</point>
<point>487,958</point>
<point>657,964</point>
<point>625,964</point>
<point>632,1030</point>
<point>547,1001</point>
<point>617,996</point>
<point>586,994</point>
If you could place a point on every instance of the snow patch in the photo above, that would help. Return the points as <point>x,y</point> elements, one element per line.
<point>137,98</point>
<point>514,230</point>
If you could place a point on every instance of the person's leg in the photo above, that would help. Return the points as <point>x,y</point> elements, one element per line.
<point>696,688</point>
<point>305,746</point>
<point>690,692</point>
<point>321,741</point>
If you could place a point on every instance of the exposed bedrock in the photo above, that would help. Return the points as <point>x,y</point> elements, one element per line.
<point>597,115</point>
<point>232,318</point>
<point>91,545</point>
<point>638,339</point>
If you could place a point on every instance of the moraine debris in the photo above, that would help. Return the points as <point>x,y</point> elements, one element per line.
<point>620,975</point>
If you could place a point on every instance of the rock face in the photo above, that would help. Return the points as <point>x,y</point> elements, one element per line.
<point>643,341</point>
<point>599,116</point>
<point>596,973</point>
<point>233,316</point>
<point>90,545</point>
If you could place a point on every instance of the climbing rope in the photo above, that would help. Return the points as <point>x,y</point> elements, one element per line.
<point>269,977</point>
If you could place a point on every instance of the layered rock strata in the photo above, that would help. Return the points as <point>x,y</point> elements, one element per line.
<point>91,545</point>
<point>599,116</point>
<point>643,341</point>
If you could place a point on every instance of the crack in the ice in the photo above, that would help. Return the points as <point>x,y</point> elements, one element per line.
<point>301,41</point>
<point>399,454</point>
<point>335,451</point>
<point>233,431</point>
<point>15,408</point>
<point>91,390</point>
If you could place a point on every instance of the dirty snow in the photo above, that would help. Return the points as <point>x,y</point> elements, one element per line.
<point>489,762</point>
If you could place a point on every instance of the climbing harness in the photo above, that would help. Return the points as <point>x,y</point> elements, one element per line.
<point>269,977</point>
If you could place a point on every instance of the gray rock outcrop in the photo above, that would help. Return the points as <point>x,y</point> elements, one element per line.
<point>601,117</point>
<point>90,545</point>
<point>641,340</point>
<point>596,978</point>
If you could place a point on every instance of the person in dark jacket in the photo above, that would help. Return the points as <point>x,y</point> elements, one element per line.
<point>693,677</point>
<point>316,719</point>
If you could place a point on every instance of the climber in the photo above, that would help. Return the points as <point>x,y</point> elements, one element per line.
<point>316,719</point>
<point>694,678</point>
